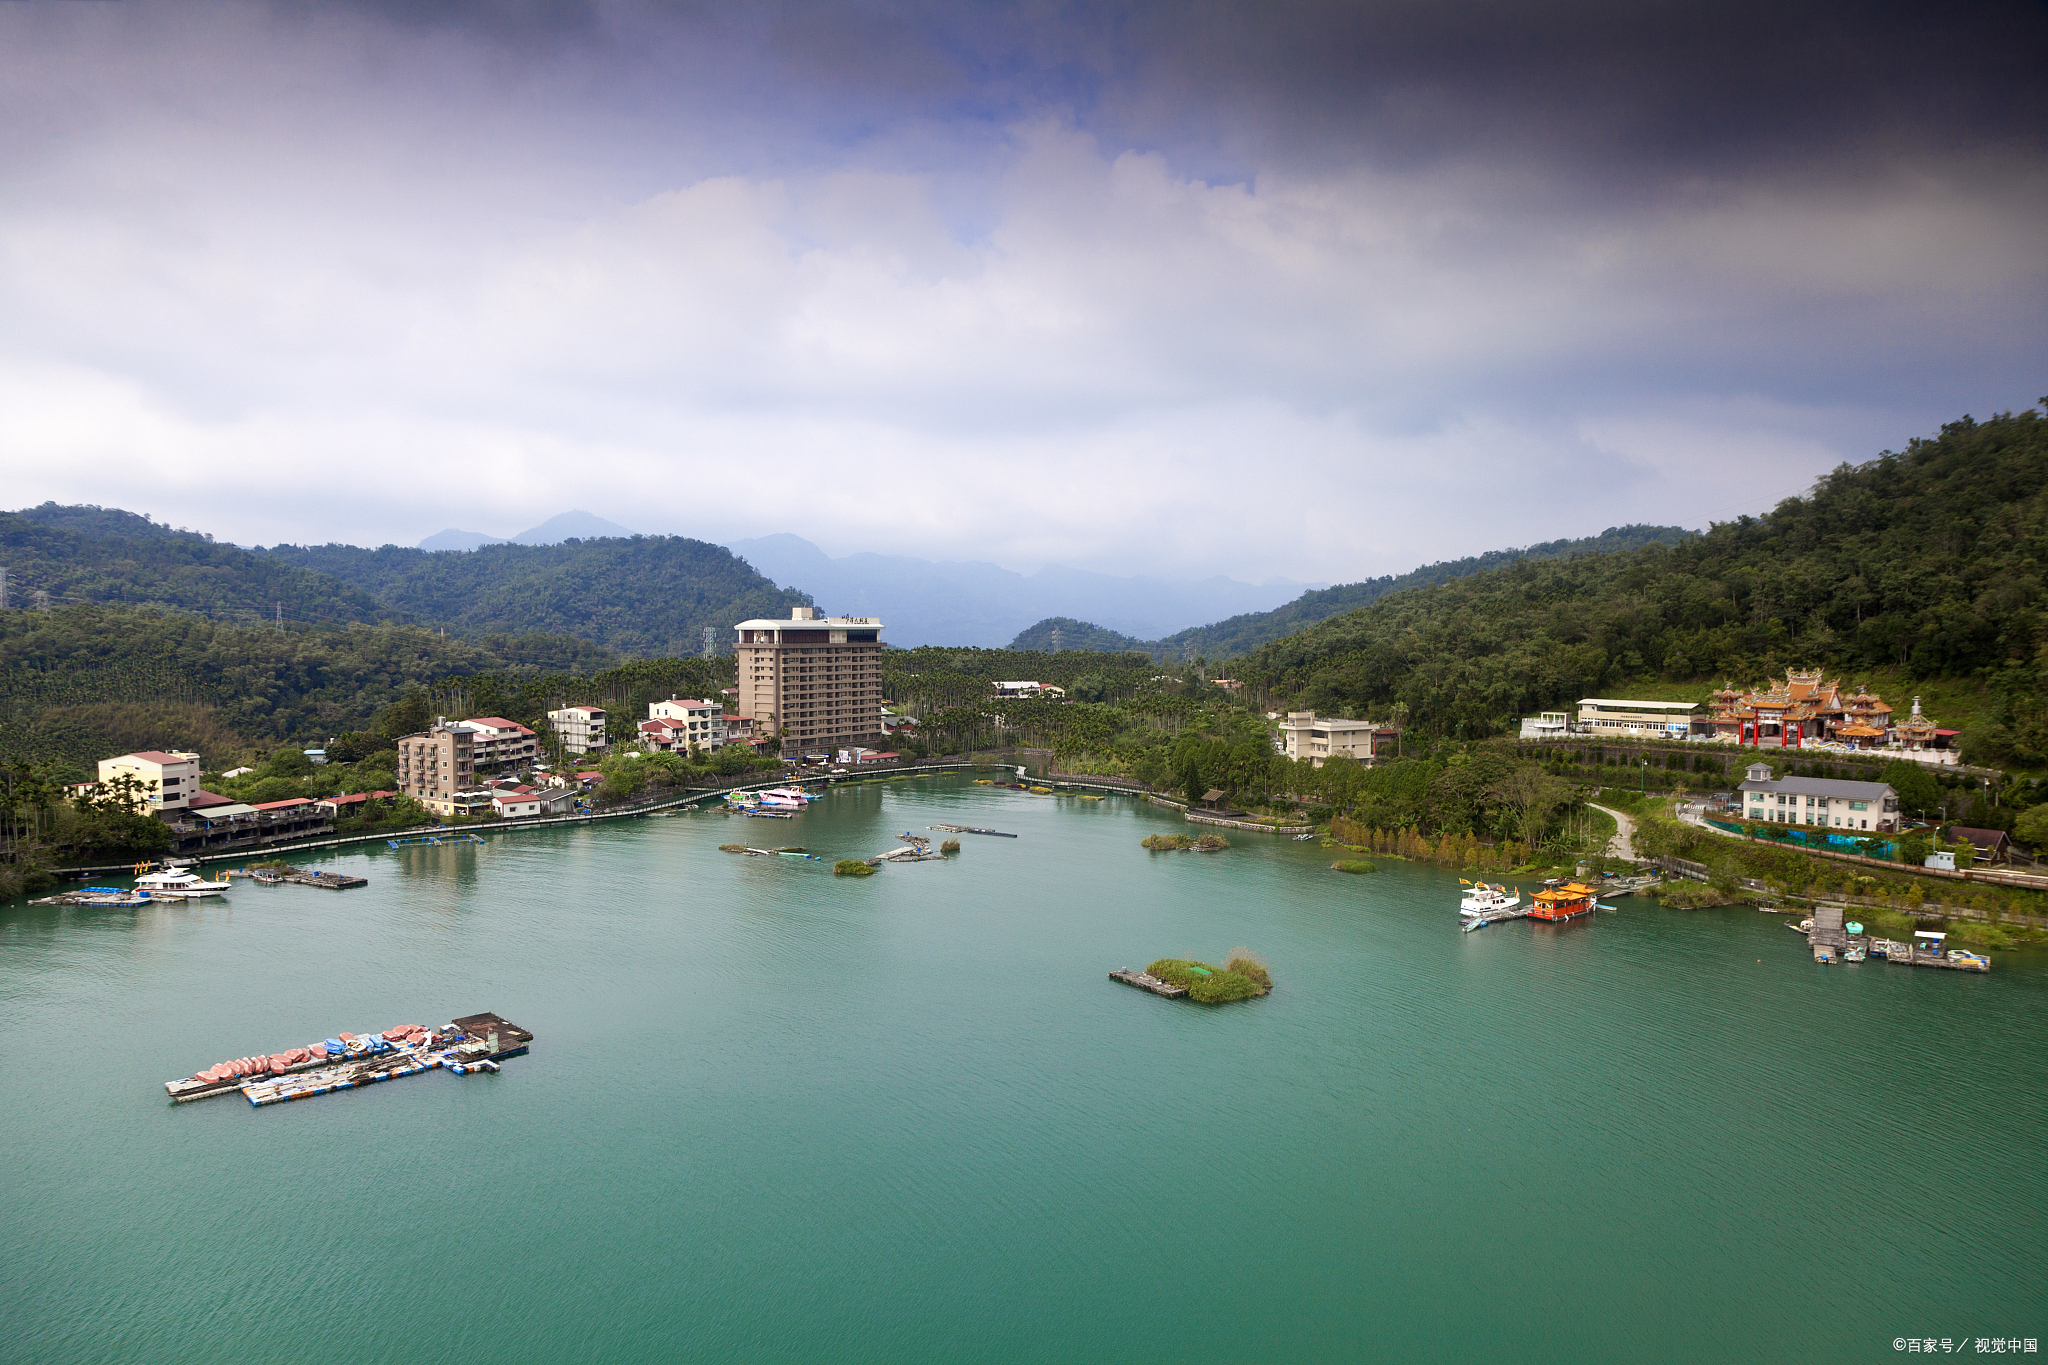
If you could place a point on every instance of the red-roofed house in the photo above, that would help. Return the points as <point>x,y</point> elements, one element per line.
<point>703,721</point>
<point>499,743</point>
<point>353,804</point>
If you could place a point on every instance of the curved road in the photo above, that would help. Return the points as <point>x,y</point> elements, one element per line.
<point>1622,845</point>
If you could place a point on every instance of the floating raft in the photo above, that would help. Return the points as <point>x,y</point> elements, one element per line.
<point>969,829</point>
<point>1145,981</point>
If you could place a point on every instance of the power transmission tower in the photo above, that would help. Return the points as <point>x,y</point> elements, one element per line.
<point>1058,639</point>
<point>42,600</point>
<point>709,648</point>
<point>280,618</point>
<point>3,588</point>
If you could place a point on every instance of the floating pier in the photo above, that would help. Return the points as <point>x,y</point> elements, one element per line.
<point>348,1061</point>
<point>298,876</point>
<point>1145,981</point>
<point>970,829</point>
<point>421,840</point>
<point>104,895</point>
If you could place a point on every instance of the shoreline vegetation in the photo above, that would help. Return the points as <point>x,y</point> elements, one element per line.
<point>1184,843</point>
<point>1241,977</point>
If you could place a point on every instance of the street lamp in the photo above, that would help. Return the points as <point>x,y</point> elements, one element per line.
<point>1644,785</point>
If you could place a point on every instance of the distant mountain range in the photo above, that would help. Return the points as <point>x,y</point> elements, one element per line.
<point>1242,634</point>
<point>553,531</point>
<point>923,602</point>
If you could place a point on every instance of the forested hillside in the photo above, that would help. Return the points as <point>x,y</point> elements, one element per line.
<point>644,596</point>
<point>79,683</point>
<point>1239,634</point>
<point>1929,560</point>
<point>73,555</point>
<point>1056,633</point>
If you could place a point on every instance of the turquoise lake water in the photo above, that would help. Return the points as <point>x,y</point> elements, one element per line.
<point>774,1115</point>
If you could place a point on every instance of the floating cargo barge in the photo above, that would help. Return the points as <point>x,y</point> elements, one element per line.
<point>348,1061</point>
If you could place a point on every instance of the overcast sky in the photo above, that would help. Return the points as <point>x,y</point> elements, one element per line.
<point>1317,291</point>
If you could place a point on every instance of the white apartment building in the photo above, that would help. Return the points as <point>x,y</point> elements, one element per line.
<point>1304,735</point>
<point>1859,806</point>
<point>580,728</point>
<point>813,682</point>
<point>690,721</point>
<point>168,778</point>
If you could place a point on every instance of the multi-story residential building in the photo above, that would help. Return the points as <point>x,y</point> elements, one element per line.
<point>812,682</point>
<point>690,721</point>
<point>580,728</point>
<point>168,779</point>
<point>436,764</point>
<point>1322,738</point>
<point>497,743</point>
<point>1859,806</point>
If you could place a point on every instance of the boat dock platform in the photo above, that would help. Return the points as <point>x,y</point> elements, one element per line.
<point>1145,981</point>
<point>970,829</point>
<point>424,840</point>
<point>299,876</point>
<point>474,1043</point>
<point>1832,942</point>
<point>1486,917</point>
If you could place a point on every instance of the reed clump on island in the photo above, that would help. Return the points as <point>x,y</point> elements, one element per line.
<point>1182,843</point>
<point>1356,865</point>
<point>1241,977</point>
<point>950,847</point>
<point>852,867</point>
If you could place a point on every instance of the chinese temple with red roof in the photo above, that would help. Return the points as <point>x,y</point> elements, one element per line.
<point>1800,707</point>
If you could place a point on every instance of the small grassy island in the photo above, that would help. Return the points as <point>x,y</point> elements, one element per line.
<point>1181,843</point>
<point>1354,865</point>
<point>852,867</point>
<point>950,847</point>
<point>1242,977</point>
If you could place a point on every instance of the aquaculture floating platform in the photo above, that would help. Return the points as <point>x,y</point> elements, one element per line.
<point>970,829</point>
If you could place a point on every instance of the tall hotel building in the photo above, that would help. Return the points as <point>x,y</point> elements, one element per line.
<point>814,682</point>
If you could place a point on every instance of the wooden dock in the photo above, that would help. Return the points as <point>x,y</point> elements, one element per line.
<point>1145,981</point>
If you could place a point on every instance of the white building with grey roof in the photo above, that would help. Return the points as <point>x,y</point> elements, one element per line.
<point>1865,807</point>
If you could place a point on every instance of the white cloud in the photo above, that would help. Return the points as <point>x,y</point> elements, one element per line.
<point>1325,376</point>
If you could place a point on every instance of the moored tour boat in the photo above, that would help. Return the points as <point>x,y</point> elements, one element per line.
<point>179,882</point>
<point>1562,901</point>
<point>1482,899</point>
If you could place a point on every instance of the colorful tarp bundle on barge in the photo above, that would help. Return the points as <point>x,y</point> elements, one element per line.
<point>349,1061</point>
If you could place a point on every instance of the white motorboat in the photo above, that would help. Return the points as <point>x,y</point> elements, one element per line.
<point>1483,900</point>
<point>180,883</point>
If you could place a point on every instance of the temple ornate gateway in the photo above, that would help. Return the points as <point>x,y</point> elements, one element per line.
<point>1807,707</point>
